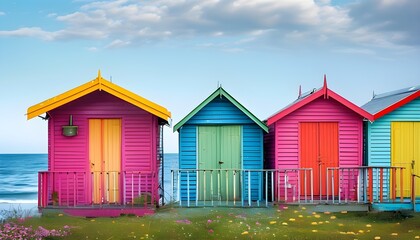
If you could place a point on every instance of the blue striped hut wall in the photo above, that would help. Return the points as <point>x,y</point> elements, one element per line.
<point>378,140</point>
<point>220,111</point>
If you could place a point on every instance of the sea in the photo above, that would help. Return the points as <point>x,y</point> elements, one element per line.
<point>19,180</point>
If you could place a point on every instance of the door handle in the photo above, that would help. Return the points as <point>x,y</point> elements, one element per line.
<point>221,162</point>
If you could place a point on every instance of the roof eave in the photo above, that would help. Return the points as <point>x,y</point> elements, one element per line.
<point>221,92</point>
<point>360,111</point>
<point>396,105</point>
<point>322,92</point>
<point>61,99</point>
<point>294,107</point>
<point>98,84</point>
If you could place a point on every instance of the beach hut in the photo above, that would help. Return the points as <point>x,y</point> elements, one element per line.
<point>220,146</point>
<point>393,139</point>
<point>309,140</point>
<point>104,150</point>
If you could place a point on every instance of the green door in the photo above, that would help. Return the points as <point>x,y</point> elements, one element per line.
<point>219,152</point>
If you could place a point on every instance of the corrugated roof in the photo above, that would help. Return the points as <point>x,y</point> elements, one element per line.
<point>300,98</point>
<point>384,103</point>
<point>100,84</point>
<point>310,96</point>
<point>221,92</point>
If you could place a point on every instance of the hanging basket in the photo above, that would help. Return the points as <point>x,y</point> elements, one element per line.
<point>70,130</point>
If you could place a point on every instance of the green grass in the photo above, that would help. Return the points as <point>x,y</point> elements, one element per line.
<point>239,223</point>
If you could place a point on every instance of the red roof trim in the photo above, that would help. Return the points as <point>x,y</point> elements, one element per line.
<point>350,105</point>
<point>396,105</point>
<point>294,107</point>
<point>321,92</point>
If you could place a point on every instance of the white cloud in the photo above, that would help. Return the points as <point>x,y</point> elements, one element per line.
<point>118,44</point>
<point>35,32</point>
<point>125,23</point>
<point>2,13</point>
<point>92,49</point>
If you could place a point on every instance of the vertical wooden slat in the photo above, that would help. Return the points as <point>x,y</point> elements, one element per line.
<point>381,185</point>
<point>394,184</point>
<point>370,176</point>
<point>402,184</point>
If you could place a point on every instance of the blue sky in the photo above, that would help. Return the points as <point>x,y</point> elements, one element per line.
<point>175,52</point>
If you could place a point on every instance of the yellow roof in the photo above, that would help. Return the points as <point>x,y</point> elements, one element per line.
<point>101,84</point>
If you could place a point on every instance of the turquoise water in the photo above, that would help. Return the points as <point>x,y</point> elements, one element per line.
<point>19,176</point>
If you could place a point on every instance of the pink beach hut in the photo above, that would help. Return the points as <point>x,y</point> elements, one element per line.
<point>104,151</point>
<point>309,140</point>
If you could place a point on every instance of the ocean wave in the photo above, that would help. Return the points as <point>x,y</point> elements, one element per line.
<point>17,201</point>
<point>11,193</point>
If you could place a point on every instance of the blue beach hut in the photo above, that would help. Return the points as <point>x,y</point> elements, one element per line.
<point>220,153</point>
<point>393,140</point>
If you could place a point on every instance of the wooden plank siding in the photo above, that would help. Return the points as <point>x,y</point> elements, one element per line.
<point>252,155</point>
<point>379,132</point>
<point>283,139</point>
<point>378,137</point>
<point>140,133</point>
<point>188,158</point>
<point>219,111</point>
<point>269,147</point>
<point>320,110</point>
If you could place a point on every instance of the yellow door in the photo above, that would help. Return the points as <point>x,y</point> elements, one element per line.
<point>405,144</point>
<point>105,159</point>
<point>416,157</point>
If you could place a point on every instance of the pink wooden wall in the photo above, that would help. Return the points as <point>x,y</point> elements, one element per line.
<point>140,134</point>
<point>286,133</point>
<point>282,142</point>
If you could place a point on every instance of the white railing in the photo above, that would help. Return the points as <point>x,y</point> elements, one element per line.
<point>365,184</point>
<point>240,187</point>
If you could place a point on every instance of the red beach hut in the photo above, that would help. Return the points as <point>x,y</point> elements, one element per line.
<point>309,139</point>
<point>104,150</point>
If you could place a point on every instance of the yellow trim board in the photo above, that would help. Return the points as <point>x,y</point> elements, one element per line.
<point>100,84</point>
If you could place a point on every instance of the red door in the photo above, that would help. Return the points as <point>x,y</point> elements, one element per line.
<point>319,150</point>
